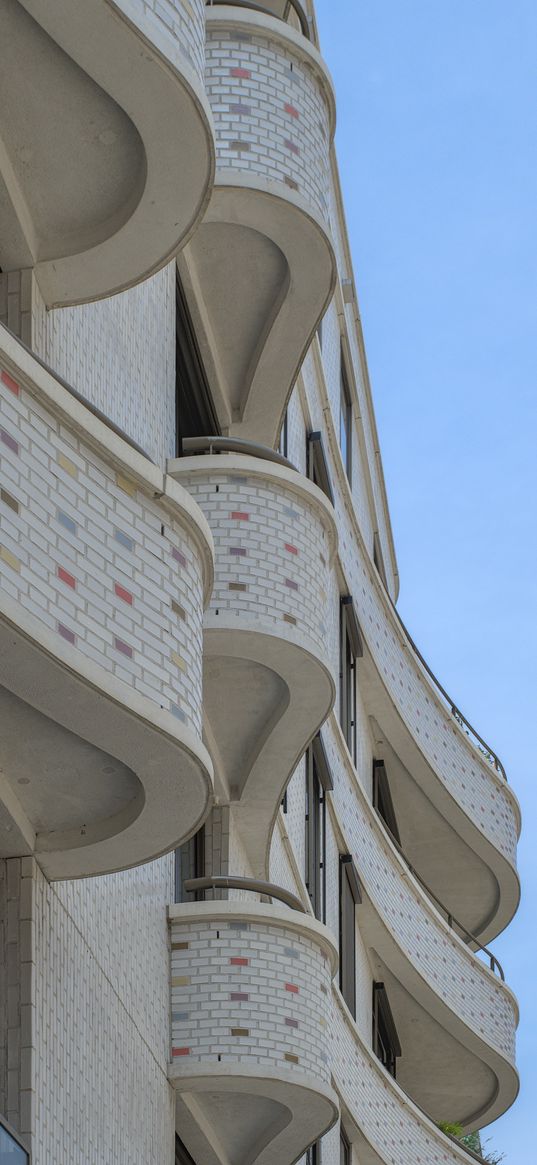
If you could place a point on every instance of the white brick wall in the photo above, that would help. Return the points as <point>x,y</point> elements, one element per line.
<point>183,21</point>
<point>119,354</point>
<point>95,560</point>
<point>271,549</point>
<point>263,979</point>
<point>270,110</point>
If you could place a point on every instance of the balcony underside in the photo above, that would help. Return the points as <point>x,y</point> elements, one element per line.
<point>248,1118</point>
<point>277,694</point>
<point>451,853</point>
<point>101,181</point>
<point>258,276</point>
<point>93,777</point>
<point>447,1067</point>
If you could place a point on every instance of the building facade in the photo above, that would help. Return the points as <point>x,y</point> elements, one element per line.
<point>252,856</point>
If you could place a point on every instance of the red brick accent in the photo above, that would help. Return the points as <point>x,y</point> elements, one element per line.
<point>240,515</point>
<point>236,962</point>
<point>290,109</point>
<point>180,1051</point>
<point>122,593</point>
<point>238,72</point>
<point>290,548</point>
<point>292,146</point>
<point>292,987</point>
<point>67,578</point>
<point>10,383</point>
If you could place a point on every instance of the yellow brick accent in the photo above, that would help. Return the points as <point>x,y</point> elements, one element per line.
<point>10,559</point>
<point>181,981</point>
<point>180,663</point>
<point>68,465</point>
<point>129,487</point>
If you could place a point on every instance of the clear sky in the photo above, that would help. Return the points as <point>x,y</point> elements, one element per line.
<point>437,132</point>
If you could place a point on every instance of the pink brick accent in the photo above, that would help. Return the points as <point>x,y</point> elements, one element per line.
<point>8,440</point>
<point>122,647</point>
<point>239,997</point>
<point>293,586</point>
<point>240,515</point>
<point>292,987</point>
<point>67,578</point>
<point>180,558</point>
<point>122,593</point>
<point>238,72</point>
<point>292,146</point>
<point>66,633</point>
<point>290,548</point>
<point>290,109</point>
<point>10,383</point>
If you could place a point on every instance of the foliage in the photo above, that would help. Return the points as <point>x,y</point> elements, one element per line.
<point>471,1141</point>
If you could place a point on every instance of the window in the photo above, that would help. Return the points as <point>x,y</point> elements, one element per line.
<point>345,1151</point>
<point>382,799</point>
<point>195,412</point>
<point>190,863</point>
<point>350,650</point>
<point>386,1044</point>
<point>182,1156</point>
<point>317,465</point>
<point>349,898</point>
<point>313,1154</point>
<point>318,783</point>
<point>345,420</point>
<point>11,1150</point>
<point>283,444</point>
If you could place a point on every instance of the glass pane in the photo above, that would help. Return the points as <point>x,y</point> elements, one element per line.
<point>10,1152</point>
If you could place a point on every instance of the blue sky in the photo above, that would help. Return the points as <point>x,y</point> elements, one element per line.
<point>437,125</point>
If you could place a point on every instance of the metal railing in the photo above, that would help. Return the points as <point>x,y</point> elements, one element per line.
<point>195,445</point>
<point>253,885</point>
<point>287,7</point>
<point>452,922</point>
<point>458,716</point>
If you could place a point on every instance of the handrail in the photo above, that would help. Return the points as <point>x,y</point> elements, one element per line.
<point>221,882</point>
<point>291,4</point>
<point>233,445</point>
<point>79,397</point>
<point>461,719</point>
<point>453,922</point>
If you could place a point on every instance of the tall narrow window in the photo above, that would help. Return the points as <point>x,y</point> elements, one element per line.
<point>283,445</point>
<point>350,650</point>
<point>345,1151</point>
<point>345,420</point>
<point>317,465</point>
<point>349,897</point>
<point>386,1044</point>
<point>318,783</point>
<point>195,411</point>
<point>382,799</point>
<point>189,863</point>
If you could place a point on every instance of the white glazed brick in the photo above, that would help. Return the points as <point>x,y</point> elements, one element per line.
<point>101,1036</point>
<point>119,353</point>
<point>253,552</point>
<point>287,977</point>
<point>73,516</point>
<point>457,976</point>
<point>255,130</point>
<point>182,21</point>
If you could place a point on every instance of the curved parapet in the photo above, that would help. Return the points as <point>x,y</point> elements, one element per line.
<point>456,1019</point>
<point>250,1059</point>
<point>265,641</point>
<point>259,272</point>
<point>106,565</point>
<point>101,181</point>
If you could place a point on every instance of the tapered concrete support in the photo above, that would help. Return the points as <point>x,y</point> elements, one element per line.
<point>101,180</point>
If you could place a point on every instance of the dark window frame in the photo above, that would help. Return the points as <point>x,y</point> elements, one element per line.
<point>317,464</point>
<point>349,898</point>
<point>385,1040</point>
<point>351,649</point>
<point>382,799</point>
<point>190,863</point>
<point>195,413</point>
<point>182,1156</point>
<point>283,441</point>
<point>318,784</point>
<point>345,1147</point>
<point>313,1154</point>
<point>345,418</point>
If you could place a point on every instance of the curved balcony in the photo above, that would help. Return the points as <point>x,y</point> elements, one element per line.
<point>455,1018</point>
<point>266,634</point>
<point>250,1059</point>
<point>101,181</point>
<point>381,1120</point>
<point>105,565</point>
<point>260,270</point>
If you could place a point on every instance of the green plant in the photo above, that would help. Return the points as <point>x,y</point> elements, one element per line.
<point>471,1141</point>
